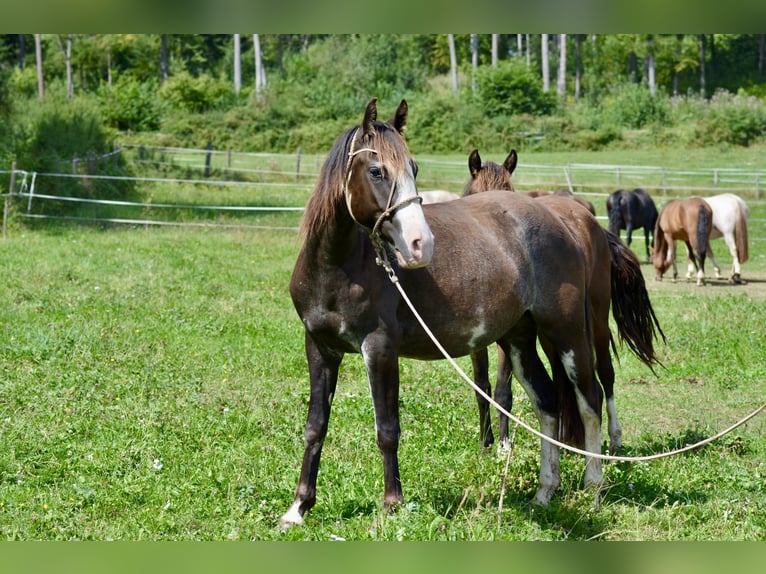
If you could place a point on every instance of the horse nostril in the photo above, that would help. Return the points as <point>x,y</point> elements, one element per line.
<point>417,248</point>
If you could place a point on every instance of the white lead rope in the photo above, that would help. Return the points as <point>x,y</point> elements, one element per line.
<point>383,262</point>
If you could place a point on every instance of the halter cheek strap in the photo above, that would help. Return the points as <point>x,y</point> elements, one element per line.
<point>389,211</point>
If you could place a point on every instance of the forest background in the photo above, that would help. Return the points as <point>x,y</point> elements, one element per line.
<point>63,95</point>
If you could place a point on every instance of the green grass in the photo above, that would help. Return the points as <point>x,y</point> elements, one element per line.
<point>154,387</point>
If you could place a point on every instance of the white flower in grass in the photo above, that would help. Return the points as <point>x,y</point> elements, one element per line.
<point>157,464</point>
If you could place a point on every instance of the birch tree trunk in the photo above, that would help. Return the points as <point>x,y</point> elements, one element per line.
<point>474,60</point>
<point>561,84</point>
<point>494,50</point>
<point>237,64</point>
<point>545,64</point>
<point>39,61</point>
<point>452,62</point>
<point>260,71</point>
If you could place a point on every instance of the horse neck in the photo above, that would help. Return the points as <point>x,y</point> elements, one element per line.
<point>336,241</point>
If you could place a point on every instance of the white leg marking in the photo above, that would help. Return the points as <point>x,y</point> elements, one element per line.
<point>292,517</point>
<point>550,476</point>
<point>592,426</point>
<point>368,366</point>
<point>615,430</point>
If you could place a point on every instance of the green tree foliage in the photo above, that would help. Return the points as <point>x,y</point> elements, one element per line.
<point>512,88</point>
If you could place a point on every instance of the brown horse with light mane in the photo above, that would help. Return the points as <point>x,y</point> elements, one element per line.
<point>691,221</point>
<point>614,279</point>
<point>493,268</point>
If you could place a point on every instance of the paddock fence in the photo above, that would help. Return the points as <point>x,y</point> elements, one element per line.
<point>154,186</point>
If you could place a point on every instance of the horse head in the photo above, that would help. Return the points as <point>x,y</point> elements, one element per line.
<point>380,190</point>
<point>490,175</point>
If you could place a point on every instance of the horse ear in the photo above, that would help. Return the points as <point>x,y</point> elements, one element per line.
<point>399,119</point>
<point>370,115</point>
<point>510,161</point>
<point>474,163</point>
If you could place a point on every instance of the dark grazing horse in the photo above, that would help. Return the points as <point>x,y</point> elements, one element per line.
<point>630,210</point>
<point>691,221</point>
<point>615,280</point>
<point>497,267</point>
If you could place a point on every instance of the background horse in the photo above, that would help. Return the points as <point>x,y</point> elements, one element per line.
<point>630,210</point>
<point>730,222</point>
<point>615,279</point>
<point>437,196</point>
<point>688,220</point>
<point>497,267</point>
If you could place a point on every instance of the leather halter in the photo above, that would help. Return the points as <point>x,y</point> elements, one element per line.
<point>389,211</point>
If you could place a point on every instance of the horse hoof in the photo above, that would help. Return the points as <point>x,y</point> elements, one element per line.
<point>736,279</point>
<point>290,518</point>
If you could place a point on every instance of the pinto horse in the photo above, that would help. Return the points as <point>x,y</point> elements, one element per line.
<point>497,267</point>
<point>730,222</point>
<point>691,221</point>
<point>615,279</point>
<point>630,210</point>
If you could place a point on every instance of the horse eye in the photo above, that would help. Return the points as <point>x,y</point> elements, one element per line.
<point>414,170</point>
<point>375,173</point>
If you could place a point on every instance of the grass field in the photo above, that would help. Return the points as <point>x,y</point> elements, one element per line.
<point>154,387</point>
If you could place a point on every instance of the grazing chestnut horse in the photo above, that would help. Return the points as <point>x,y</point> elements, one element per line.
<point>691,221</point>
<point>498,267</point>
<point>730,222</point>
<point>614,279</point>
<point>630,210</point>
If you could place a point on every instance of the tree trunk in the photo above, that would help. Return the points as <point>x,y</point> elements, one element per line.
<point>237,64</point>
<point>520,45</point>
<point>67,50</point>
<point>260,71</point>
<point>39,61</point>
<point>163,58</point>
<point>474,60</point>
<point>650,66</point>
<point>703,89</point>
<point>578,65</point>
<point>679,53</point>
<point>761,42</point>
<point>22,50</point>
<point>561,83</point>
<point>529,55</point>
<point>494,50</point>
<point>452,62</point>
<point>544,58</point>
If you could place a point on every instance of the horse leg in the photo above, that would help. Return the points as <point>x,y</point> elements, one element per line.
<point>671,255</point>
<point>480,362</point>
<point>323,374</point>
<point>647,243</point>
<point>698,259</point>
<point>716,268</point>
<point>605,370</point>
<point>691,265</point>
<point>521,349</point>
<point>628,232</point>
<point>503,394</point>
<point>382,363</point>
<point>736,271</point>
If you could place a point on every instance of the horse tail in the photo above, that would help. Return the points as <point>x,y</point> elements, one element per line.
<point>704,227</point>
<point>660,244</point>
<point>740,233</point>
<point>637,324</point>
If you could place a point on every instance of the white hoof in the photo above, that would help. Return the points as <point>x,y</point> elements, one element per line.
<point>291,518</point>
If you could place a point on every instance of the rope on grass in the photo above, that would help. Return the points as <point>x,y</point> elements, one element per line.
<point>383,262</point>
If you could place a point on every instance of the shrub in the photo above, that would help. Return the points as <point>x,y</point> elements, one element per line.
<point>196,94</point>
<point>50,134</point>
<point>632,106</point>
<point>512,88</point>
<point>130,104</point>
<point>732,119</point>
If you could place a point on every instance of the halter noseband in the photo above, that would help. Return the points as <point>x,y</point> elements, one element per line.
<point>390,209</point>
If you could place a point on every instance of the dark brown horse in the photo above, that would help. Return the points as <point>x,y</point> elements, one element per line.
<point>614,278</point>
<point>497,267</point>
<point>691,221</point>
<point>630,210</point>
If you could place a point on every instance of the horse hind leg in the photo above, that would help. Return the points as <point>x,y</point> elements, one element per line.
<point>736,271</point>
<point>531,374</point>
<point>480,362</point>
<point>605,370</point>
<point>503,395</point>
<point>716,268</point>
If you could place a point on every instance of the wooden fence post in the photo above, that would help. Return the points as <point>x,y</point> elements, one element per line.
<point>11,189</point>
<point>208,155</point>
<point>298,164</point>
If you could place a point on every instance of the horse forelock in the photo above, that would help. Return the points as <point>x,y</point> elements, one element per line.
<point>327,196</point>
